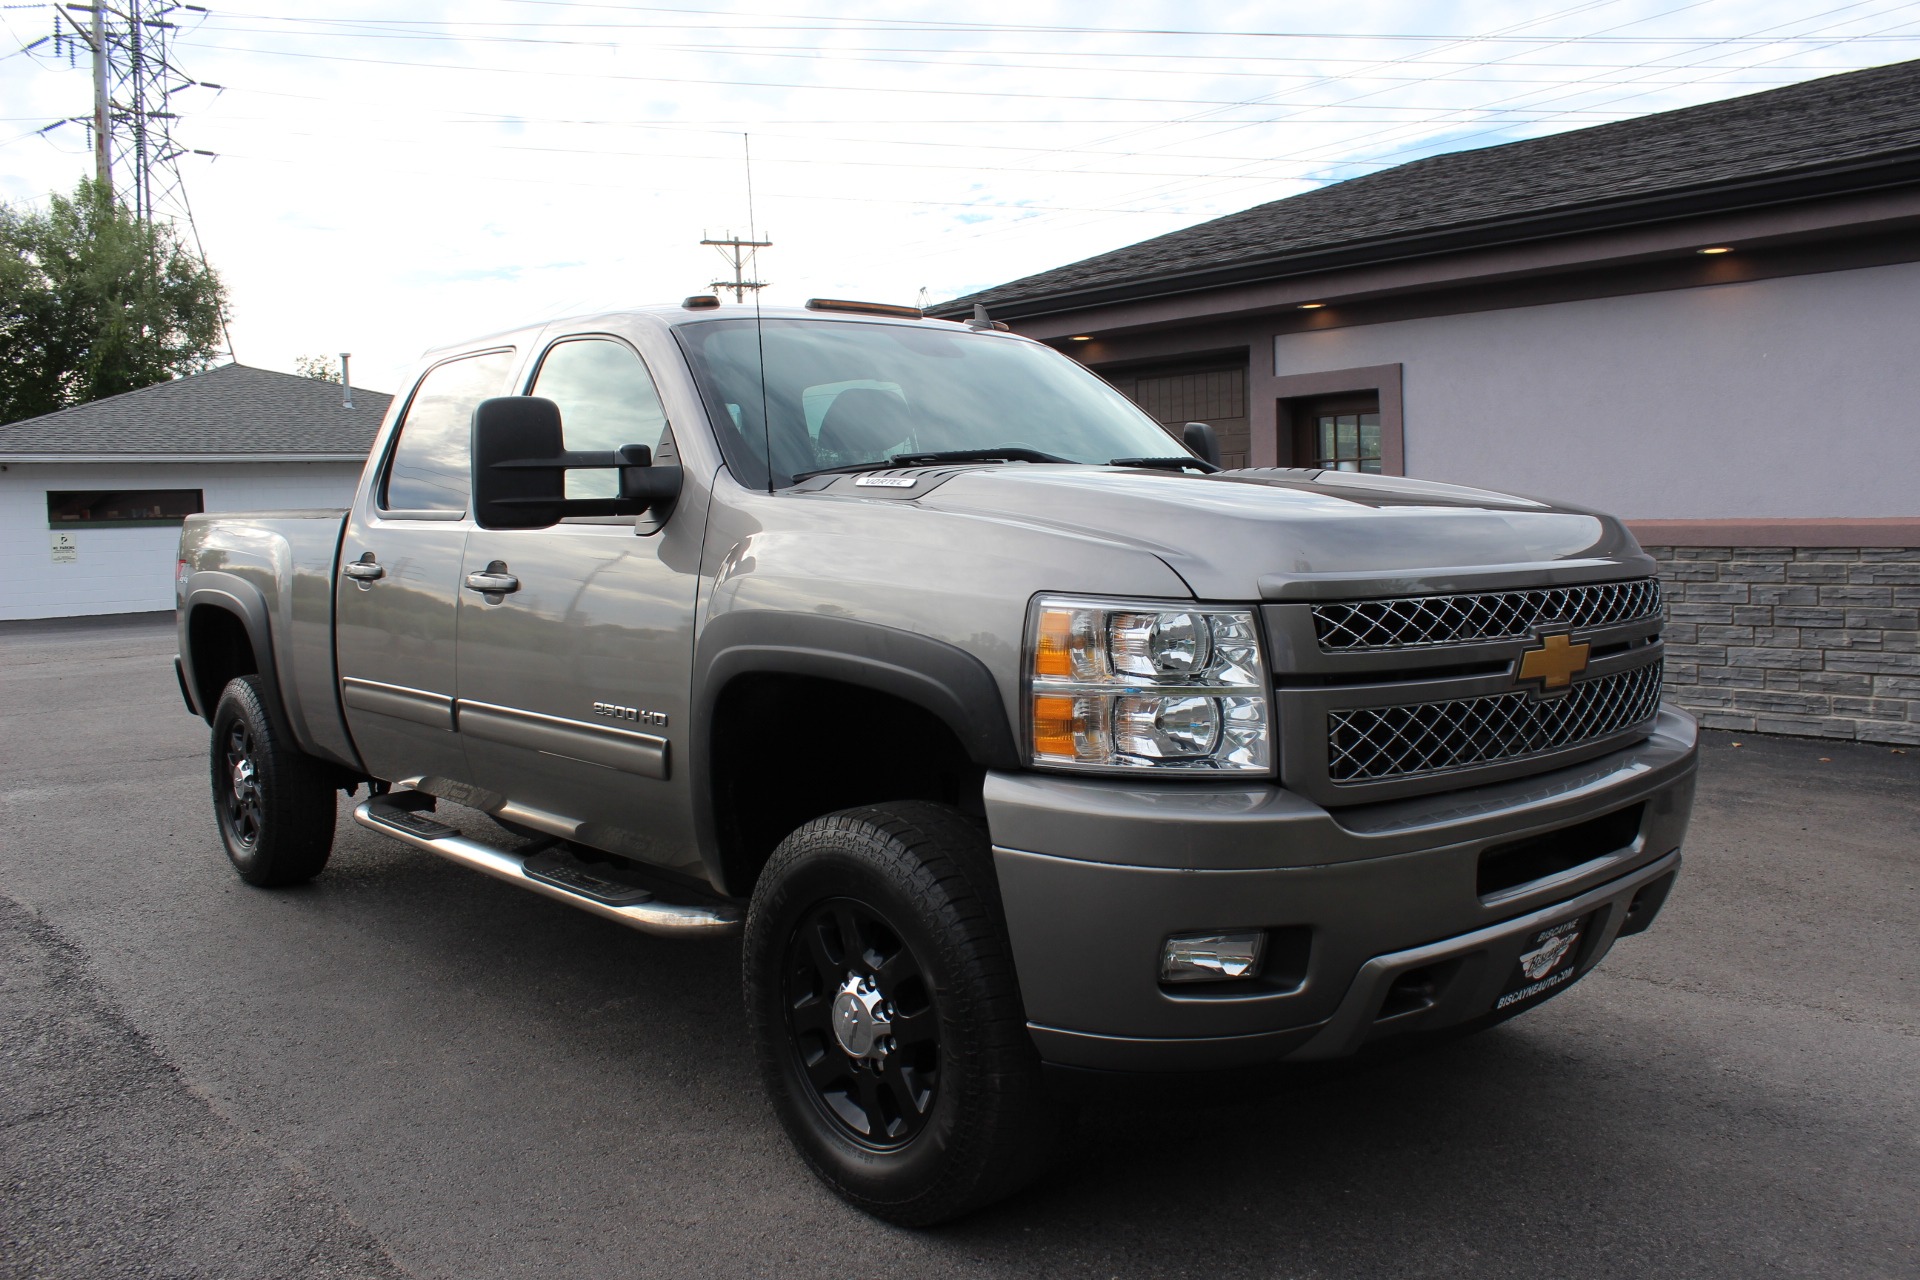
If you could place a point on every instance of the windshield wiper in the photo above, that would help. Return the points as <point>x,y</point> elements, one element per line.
<point>1167,464</point>
<point>1001,453</point>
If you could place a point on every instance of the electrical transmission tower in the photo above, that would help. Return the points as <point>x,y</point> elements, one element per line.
<point>740,254</point>
<point>134,82</point>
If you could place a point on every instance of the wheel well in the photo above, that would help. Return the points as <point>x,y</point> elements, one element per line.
<point>786,749</point>
<point>221,649</point>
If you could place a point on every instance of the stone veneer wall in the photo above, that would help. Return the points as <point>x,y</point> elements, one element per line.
<point>1817,641</point>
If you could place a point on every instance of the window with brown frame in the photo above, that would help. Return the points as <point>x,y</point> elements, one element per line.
<point>1338,433</point>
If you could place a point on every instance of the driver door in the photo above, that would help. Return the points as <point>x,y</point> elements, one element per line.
<point>573,685</point>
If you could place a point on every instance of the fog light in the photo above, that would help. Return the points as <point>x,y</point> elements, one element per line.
<point>1212,957</point>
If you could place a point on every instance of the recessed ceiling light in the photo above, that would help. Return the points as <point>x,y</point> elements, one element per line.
<point>1718,248</point>
<point>1081,337</point>
<point>1312,306</point>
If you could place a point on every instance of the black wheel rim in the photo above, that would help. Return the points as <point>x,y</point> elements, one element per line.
<point>239,783</point>
<point>880,1094</point>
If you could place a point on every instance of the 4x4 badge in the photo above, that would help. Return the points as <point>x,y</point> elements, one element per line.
<point>1555,663</point>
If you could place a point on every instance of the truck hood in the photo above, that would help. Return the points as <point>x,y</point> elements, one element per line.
<point>1299,534</point>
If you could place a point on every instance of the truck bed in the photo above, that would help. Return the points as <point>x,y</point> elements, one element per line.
<point>278,568</point>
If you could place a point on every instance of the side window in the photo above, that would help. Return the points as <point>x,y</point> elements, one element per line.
<point>607,400</point>
<point>429,467</point>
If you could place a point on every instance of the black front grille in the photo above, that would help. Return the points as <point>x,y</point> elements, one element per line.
<point>1373,744</point>
<point>1420,621</point>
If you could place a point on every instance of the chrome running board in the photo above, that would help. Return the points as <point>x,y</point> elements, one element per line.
<point>392,815</point>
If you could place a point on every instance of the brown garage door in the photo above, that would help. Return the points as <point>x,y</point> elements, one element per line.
<point>1215,394</point>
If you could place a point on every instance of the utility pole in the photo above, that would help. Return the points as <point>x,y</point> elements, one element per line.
<point>134,81</point>
<point>102,108</point>
<point>738,254</point>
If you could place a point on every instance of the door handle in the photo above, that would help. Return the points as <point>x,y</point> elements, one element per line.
<point>364,569</point>
<point>494,580</point>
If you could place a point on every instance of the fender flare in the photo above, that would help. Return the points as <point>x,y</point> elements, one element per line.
<point>944,680</point>
<point>230,593</point>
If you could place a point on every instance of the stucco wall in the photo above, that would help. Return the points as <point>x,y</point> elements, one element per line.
<point>1788,397</point>
<point>130,570</point>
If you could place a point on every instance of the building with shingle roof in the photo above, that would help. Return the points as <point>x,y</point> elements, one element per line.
<point>235,412</point>
<point>1704,320</point>
<point>91,497</point>
<point>1841,134</point>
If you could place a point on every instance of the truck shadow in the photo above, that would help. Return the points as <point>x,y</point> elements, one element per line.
<point>1600,1134</point>
<point>1553,1145</point>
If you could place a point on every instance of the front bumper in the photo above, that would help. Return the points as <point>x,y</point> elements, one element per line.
<point>1397,927</point>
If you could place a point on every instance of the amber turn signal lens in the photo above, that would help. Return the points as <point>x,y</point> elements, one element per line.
<point>1053,655</point>
<point>1054,725</point>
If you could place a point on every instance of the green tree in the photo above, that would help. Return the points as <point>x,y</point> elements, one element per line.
<point>318,368</point>
<point>94,302</point>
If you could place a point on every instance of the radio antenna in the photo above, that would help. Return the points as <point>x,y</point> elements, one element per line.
<point>759,326</point>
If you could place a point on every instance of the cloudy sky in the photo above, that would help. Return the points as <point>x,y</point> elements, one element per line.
<point>400,174</point>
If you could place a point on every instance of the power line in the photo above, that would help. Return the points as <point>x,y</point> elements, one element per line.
<point>131,128</point>
<point>832,22</point>
<point>574,74</point>
<point>1455,141</point>
<point>1188,193</point>
<point>1217,115</point>
<point>362,29</point>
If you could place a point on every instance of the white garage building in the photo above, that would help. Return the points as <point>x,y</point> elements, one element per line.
<point>91,498</point>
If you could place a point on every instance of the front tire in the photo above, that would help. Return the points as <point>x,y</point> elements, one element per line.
<point>887,1018</point>
<point>273,803</point>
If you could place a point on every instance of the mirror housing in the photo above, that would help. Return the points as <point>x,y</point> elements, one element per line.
<point>1201,438</point>
<point>520,464</point>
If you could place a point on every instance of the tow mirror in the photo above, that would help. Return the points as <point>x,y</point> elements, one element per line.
<point>1200,437</point>
<point>520,464</point>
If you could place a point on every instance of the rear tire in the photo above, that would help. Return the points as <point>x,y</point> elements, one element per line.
<point>887,1018</point>
<point>273,803</point>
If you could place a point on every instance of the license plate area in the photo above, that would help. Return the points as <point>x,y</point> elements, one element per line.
<point>1549,959</point>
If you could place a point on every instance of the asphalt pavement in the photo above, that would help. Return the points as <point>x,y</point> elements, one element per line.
<point>408,1069</point>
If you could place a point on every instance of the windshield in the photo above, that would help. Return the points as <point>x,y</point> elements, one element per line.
<point>840,393</point>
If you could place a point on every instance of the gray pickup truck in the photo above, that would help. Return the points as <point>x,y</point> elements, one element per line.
<point>1017,739</point>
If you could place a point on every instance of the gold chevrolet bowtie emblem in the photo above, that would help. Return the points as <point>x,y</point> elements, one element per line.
<point>1555,663</point>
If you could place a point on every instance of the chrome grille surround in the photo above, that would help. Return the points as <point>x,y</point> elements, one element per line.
<point>1376,744</point>
<point>1410,622</point>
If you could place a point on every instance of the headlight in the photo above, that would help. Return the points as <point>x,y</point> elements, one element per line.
<point>1116,685</point>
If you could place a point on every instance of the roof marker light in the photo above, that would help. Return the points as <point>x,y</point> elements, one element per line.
<point>1312,306</point>
<point>864,308</point>
<point>1718,248</point>
<point>1081,337</point>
